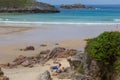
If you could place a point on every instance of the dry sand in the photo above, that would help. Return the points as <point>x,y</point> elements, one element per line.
<point>9,52</point>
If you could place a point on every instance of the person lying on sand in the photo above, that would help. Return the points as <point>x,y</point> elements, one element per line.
<point>56,67</point>
<point>60,70</point>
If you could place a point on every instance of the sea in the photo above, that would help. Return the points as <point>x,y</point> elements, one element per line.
<point>102,14</point>
<point>69,24</point>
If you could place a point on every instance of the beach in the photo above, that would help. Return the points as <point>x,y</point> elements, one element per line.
<point>14,38</point>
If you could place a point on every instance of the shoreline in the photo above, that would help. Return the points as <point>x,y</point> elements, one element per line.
<point>28,23</point>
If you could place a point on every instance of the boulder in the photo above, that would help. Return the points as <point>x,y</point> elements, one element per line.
<point>56,52</point>
<point>25,63</point>
<point>76,60</point>
<point>29,48</point>
<point>91,69</point>
<point>43,45</point>
<point>1,72</point>
<point>20,59</point>
<point>45,76</point>
<point>60,52</point>
<point>69,52</point>
<point>2,77</point>
<point>42,54</point>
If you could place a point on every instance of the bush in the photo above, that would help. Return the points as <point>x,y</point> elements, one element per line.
<point>105,47</point>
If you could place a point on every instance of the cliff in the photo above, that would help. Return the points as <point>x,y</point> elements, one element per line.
<point>36,7</point>
<point>77,6</point>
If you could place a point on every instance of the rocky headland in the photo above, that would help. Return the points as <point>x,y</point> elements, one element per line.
<point>36,7</point>
<point>76,6</point>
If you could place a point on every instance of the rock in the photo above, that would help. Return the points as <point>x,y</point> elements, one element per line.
<point>76,6</point>
<point>73,6</point>
<point>43,45</point>
<point>45,52</point>
<point>45,76</point>
<point>64,76</point>
<point>42,54</point>
<point>56,43</point>
<point>76,60</point>
<point>56,52</point>
<point>60,52</point>
<point>36,7</point>
<point>2,77</point>
<point>82,77</point>
<point>29,48</point>
<point>69,52</point>
<point>25,63</point>
<point>1,73</point>
<point>19,60</point>
<point>91,69</point>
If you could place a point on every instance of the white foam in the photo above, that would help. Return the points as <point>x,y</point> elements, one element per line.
<point>41,23</point>
<point>116,20</point>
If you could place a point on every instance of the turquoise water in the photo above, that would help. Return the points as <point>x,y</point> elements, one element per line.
<point>101,14</point>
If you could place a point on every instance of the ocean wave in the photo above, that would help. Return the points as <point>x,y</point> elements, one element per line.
<point>116,20</point>
<point>42,23</point>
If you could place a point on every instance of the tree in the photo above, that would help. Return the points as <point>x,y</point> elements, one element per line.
<point>106,49</point>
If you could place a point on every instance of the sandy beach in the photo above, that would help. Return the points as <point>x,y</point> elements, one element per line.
<point>12,39</point>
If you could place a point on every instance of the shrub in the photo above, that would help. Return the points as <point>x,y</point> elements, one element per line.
<point>106,49</point>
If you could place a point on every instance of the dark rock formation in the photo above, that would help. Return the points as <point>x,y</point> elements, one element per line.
<point>77,6</point>
<point>28,48</point>
<point>45,76</point>
<point>60,52</point>
<point>36,7</point>
<point>2,77</point>
<point>91,69</point>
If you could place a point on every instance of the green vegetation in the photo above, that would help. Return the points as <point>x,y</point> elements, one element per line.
<point>80,69</point>
<point>15,3</point>
<point>106,50</point>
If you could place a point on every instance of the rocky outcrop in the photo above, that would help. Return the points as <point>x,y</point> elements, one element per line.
<point>45,76</point>
<point>91,69</point>
<point>41,58</point>
<point>60,52</point>
<point>36,7</point>
<point>77,6</point>
<point>2,77</point>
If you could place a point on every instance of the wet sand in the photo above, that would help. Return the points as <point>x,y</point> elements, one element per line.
<point>51,33</point>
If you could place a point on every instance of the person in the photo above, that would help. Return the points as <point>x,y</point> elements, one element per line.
<point>60,70</point>
<point>55,67</point>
